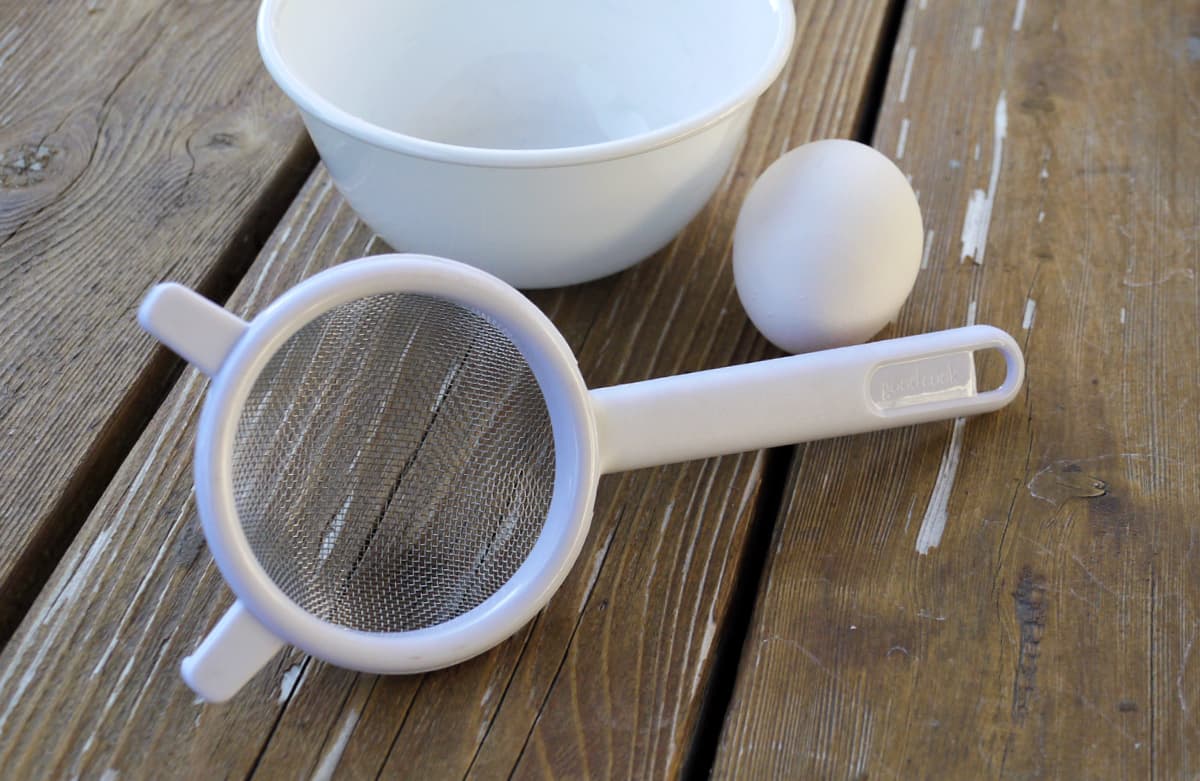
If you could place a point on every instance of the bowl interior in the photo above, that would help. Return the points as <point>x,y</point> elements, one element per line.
<point>529,74</point>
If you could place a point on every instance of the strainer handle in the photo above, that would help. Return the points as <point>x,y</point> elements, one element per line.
<point>800,398</point>
<point>202,332</point>
<point>237,648</point>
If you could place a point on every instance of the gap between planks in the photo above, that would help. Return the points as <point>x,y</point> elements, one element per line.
<point>774,489</point>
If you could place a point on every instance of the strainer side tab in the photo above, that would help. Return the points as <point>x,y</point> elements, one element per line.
<point>200,331</point>
<point>205,334</point>
<point>236,648</point>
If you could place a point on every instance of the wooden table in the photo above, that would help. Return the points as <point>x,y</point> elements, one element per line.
<point>1013,596</point>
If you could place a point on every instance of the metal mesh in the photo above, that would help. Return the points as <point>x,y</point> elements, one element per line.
<point>394,463</point>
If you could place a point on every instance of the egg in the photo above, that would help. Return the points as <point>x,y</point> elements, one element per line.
<point>827,246</point>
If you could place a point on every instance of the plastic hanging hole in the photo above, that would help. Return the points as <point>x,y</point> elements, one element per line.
<point>991,369</point>
<point>994,370</point>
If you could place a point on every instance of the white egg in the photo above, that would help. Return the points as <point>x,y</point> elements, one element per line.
<point>827,246</point>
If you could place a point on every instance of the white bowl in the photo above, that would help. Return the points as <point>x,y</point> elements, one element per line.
<point>546,141</point>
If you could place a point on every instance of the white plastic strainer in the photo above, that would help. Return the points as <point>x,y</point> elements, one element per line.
<point>396,461</point>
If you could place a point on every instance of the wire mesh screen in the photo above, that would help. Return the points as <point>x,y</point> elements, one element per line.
<point>394,463</point>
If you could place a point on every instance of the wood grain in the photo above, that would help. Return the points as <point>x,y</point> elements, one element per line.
<point>1049,630</point>
<point>608,680</point>
<point>137,140</point>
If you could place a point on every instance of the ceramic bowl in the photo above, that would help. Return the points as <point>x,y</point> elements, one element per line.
<point>546,141</point>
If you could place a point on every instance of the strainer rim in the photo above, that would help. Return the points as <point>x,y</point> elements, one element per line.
<point>576,464</point>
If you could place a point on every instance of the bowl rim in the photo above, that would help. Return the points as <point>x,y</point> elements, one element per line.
<point>313,103</point>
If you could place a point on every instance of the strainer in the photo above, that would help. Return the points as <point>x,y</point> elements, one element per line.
<point>396,461</point>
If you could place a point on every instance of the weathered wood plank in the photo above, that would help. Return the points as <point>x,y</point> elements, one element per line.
<point>1048,631</point>
<point>137,139</point>
<point>609,679</point>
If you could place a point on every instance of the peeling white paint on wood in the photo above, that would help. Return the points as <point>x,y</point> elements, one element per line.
<point>330,761</point>
<point>710,631</point>
<point>976,39</point>
<point>978,218</point>
<point>904,81</point>
<point>933,525</point>
<point>903,140</point>
<point>289,683</point>
<point>1030,310</point>
<point>974,223</point>
<point>1019,15</point>
<point>928,246</point>
<point>335,526</point>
